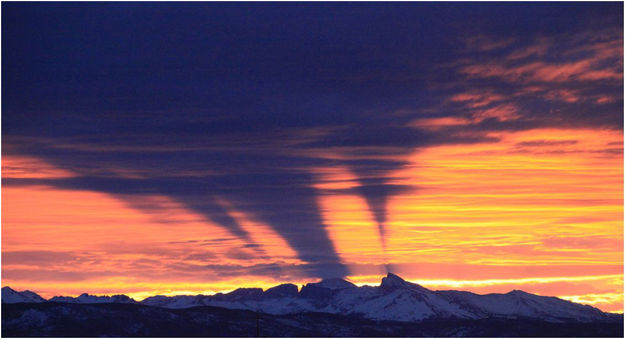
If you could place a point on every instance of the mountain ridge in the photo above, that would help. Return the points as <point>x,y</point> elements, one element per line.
<point>394,299</point>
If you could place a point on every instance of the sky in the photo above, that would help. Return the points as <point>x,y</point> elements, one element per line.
<point>170,148</point>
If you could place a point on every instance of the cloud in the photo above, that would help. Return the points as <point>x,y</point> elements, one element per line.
<point>538,143</point>
<point>477,99</point>
<point>40,258</point>
<point>439,123</point>
<point>597,243</point>
<point>557,66</point>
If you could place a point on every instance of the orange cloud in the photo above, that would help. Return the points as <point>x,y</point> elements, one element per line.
<point>350,224</point>
<point>24,167</point>
<point>477,99</point>
<point>438,123</point>
<point>263,235</point>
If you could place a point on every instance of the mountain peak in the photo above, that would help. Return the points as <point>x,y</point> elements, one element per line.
<point>334,284</point>
<point>284,290</point>
<point>393,280</point>
<point>10,295</point>
<point>519,293</point>
<point>394,276</point>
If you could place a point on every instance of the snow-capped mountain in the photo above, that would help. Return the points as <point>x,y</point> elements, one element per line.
<point>10,296</point>
<point>93,299</point>
<point>522,304</point>
<point>394,299</point>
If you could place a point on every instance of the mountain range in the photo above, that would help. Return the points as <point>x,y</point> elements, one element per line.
<point>394,299</point>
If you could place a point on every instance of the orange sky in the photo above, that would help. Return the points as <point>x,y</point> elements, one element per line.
<point>540,210</point>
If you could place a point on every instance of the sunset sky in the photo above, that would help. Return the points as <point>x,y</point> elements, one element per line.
<point>195,148</point>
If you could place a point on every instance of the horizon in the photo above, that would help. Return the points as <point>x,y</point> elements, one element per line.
<point>153,148</point>
<point>141,298</point>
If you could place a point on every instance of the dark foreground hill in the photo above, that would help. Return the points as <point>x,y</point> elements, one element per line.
<point>52,319</point>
